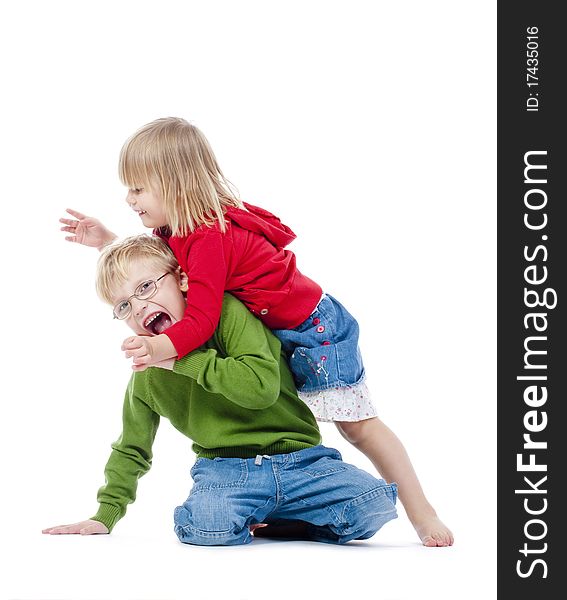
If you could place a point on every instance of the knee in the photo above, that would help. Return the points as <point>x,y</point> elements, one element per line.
<point>371,511</point>
<point>356,432</point>
<point>201,523</point>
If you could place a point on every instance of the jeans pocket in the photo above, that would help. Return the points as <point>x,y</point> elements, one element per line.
<point>325,466</point>
<point>219,473</point>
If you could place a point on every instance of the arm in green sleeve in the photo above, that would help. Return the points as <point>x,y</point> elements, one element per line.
<point>131,455</point>
<point>249,375</point>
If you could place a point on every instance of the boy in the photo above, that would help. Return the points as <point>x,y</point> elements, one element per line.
<point>257,445</point>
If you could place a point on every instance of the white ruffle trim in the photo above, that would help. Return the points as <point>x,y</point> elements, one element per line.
<point>350,403</point>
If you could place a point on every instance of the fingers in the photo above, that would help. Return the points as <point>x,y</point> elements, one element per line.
<point>88,527</point>
<point>48,530</point>
<point>132,344</point>
<point>76,214</point>
<point>139,363</point>
<point>139,368</point>
<point>137,341</point>
<point>134,341</point>
<point>63,529</point>
<point>138,349</point>
<point>70,227</point>
<point>138,354</point>
<point>135,348</point>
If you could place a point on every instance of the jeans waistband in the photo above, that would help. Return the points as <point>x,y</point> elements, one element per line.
<point>307,454</point>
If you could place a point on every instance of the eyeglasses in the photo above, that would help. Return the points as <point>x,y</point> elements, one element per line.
<point>144,291</point>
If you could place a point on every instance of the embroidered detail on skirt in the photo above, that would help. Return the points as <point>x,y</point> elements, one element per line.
<point>323,351</point>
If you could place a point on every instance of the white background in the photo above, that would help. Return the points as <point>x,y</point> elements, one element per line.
<point>369,128</point>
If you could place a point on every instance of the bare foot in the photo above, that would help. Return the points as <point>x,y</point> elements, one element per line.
<point>432,532</point>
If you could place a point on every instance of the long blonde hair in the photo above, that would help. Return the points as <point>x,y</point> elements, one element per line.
<point>175,156</point>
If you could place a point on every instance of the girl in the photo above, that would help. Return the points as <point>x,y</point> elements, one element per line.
<point>223,244</point>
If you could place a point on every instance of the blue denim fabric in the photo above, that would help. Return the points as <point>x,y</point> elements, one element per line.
<point>323,351</point>
<point>340,501</point>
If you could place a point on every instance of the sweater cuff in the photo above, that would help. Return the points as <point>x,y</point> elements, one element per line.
<point>192,364</point>
<point>107,515</point>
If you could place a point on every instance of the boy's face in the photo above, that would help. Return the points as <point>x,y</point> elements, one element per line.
<point>149,205</point>
<point>154,315</point>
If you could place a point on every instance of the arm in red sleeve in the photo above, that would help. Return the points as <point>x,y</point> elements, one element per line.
<point>203,259</point>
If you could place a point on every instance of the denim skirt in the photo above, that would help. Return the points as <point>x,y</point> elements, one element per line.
<point>323,351</point>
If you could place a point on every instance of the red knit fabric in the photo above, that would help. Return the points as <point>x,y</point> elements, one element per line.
<point>250,262</point>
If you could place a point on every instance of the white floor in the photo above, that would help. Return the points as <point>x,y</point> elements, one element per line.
<point>153,565</point>
<point>142,559</point>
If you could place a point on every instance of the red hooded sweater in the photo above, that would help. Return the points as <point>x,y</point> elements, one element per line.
<point>250,262</point>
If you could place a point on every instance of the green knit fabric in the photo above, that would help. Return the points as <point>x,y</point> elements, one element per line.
<point>234,397</point>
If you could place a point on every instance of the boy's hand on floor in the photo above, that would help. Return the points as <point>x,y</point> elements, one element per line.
<point>88,527</point>
<point>147,351</point>
<point>87,231</point>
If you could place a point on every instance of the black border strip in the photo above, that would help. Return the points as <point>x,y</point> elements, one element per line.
<point>532,268</point>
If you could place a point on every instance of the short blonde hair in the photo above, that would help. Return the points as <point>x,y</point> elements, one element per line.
<point>174,158</point>
<point>115,261</point>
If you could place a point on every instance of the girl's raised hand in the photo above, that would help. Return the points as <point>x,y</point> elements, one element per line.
<point>87,231</point>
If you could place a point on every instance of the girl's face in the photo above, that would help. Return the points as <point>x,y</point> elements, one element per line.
<point>149,205</point>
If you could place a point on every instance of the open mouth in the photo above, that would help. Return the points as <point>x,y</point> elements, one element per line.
<point>157,322</point>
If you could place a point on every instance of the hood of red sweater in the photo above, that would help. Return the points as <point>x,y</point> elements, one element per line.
<point>255,219</point>
<point>259,220</point>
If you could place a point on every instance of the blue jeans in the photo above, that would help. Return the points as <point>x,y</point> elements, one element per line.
<point>323,351</point>
<point>339,501</point>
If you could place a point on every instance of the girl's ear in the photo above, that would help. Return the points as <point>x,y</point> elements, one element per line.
<point>183,281</point>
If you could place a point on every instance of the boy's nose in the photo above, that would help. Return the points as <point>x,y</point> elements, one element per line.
<point>138,306</point>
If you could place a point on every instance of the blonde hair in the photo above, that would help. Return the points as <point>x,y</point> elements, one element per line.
<point>115,262</point>
<point>175,156</point>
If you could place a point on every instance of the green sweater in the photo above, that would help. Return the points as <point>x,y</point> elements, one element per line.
<point>234,397</point>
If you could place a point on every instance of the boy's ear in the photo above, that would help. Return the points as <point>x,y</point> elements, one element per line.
<point>183,281</point>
